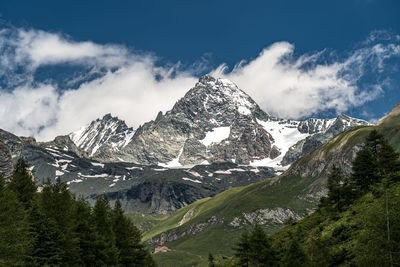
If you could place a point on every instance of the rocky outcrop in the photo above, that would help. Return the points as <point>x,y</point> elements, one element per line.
<point>323,131</point>
<point>192,230</point>
<point>102,137</point>
<point>299,149</point>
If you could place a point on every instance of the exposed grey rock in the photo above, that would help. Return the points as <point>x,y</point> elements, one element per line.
<point>322,130</point>
<point>6,162</point>
<point>192,230</point>
<point>102,137</point>
<point>299,149</point>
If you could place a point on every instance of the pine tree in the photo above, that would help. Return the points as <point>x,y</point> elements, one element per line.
<point>128,240</point>
<point>254,249</point>
<point>335,185</point>
<point>242,250</point>
<point>107,253</point>
<point>317,251</point>
<point>57,204</point>
<point>294,255</point>
<point>365,169</point>
<point>388,159</point>
<point>22,183</point>
<point>14,235</point>
<point>374,141</point>
<point>85,233</point>
<point>47,245</point>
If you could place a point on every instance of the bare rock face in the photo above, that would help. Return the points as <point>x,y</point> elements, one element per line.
<point>323,130</point>
<point>247,141</point>
<point>102,137</point>
<point>6,163</point>
<point>215,121</point>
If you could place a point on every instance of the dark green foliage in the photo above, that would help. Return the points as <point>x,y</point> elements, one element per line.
<point>128,241</point>
<point>22,182</point>
<point>335,185</point>
<point>374,244</point>
<point>47,246</point>
<point>294,255</point>
<point>107,253</point>
<point>52,228</point>
<point>317,251</point>
<point>14,235</point>
<point>57,205</point>
<point>254,249</point>
<point>373,141</point>
<point>388,159</point>
<point>376,160</point>
<point>85,233</point>
<point>211,260</point>
<point>365,169</point>
<point>243,249</point>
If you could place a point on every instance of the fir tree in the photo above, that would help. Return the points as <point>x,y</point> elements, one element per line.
<point>388,159</point>
<point>374,141</point>
<point>254,249</point>
<point>22,183</point>
<point>107,253</point>
<point>47,245</point>
<point>128,240</point>
<point>242,250</point>
<point>57,204</point>
<point>85,233</point>
<point>294,255</point>
<point>14,235</point>
<point>335,184</point>
<point>365,169</point>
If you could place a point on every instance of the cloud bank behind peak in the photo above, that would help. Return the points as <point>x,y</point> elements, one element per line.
<point>134,86</point>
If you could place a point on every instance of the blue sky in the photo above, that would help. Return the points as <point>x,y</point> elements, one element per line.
<point>339,56</point>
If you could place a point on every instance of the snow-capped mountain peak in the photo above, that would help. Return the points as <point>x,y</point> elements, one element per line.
<point>215,121</point>
<point>107,133</point>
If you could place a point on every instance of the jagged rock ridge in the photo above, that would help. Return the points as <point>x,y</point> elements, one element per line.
<point>215,121</point>
<point>103,136</point>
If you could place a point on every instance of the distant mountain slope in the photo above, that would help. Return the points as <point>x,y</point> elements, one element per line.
<point>215,223</point>
<point>147,189</point>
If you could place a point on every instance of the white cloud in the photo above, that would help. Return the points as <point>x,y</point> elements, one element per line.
<point>42,48</point>
<point>294,88</point>
<point>134,88</point>
<point>26,109</point>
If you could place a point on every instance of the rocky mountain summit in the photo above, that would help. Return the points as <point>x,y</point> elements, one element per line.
<point>214,122</point>
<point>103,136</point>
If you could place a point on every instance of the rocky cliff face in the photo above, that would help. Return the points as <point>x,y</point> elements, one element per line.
<point>6,163</point>
<point>214,122</point>
<point>102,137</point>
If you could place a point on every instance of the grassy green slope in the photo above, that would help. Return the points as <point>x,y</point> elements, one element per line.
<point>296,190</point>
<point>341,233</point>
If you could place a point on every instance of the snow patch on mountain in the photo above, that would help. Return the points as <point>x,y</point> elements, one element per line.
<point>173,163</point>
<point>285,134</point>
<point>215,136</point>
<point>106,133</point>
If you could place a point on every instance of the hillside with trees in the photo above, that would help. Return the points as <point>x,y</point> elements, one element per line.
<point>49,226</point>
<point>357,224</point>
